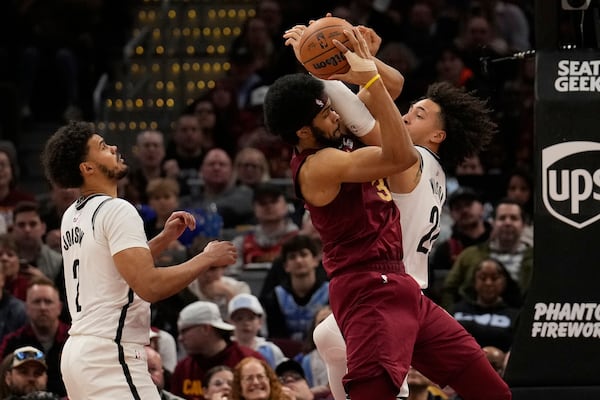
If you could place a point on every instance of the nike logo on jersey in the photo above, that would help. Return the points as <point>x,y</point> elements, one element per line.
<point>71,237</point>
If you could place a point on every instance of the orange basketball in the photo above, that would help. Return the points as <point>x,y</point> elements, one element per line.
<point>318,54</point>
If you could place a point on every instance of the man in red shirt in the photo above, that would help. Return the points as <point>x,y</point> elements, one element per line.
<point>207,341</point>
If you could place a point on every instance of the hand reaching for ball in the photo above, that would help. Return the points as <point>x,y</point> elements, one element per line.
<point>362,67</point>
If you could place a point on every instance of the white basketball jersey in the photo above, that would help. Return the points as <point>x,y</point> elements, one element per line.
<point>420,212</point>
<point>100,302</point>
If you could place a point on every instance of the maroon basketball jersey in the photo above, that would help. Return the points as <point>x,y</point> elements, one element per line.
<point>360,228</point>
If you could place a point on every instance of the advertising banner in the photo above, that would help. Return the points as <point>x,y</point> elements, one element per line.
<point>557,344</point>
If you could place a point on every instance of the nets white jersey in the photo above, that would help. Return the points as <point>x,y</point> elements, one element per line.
<point>420,212</point>
<point>100,302</point>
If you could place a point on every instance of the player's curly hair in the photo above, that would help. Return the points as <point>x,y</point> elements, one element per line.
<point>64,151</point>
<point>467,120</point>
<point>290,104</point>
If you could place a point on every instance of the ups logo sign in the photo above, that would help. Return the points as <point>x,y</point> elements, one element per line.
<point>571,182</point>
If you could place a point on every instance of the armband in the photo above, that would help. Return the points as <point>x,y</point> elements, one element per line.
<point>371,81</point>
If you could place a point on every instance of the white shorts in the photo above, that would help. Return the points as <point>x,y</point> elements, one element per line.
<point>94,368</point>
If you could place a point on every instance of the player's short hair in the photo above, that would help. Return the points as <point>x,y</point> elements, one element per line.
<point>64,151</point>
<point>291,103</point>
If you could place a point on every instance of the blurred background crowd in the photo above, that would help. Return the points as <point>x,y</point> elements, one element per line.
<point>178,85</point>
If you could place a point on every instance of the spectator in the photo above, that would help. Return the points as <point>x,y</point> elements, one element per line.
<point>206,339</point>
<point>164,343</point>
<point>292,377</point>
<point>292,305</point>
<point>246,314</point>
<point>214,133</point>
<point>156,370</point>
<point>520,189</point>
<point>12,310</point>
<point>315,371</point>
<point>250,167</point>
<point>505,245</point>
<point>10,193</point>
<point>149,152</point>
<point>52,206</point>
<point>232,202</point>
<point>254,379</point>
<point>263,243</point>
<point>497,358</point>
<point>16,280</point>
<point>421,388</point>
<point>25,375</point>
<point>469,228</point>
<point>163,199</point>
<point>218,382</point>
<point>29,231</point>
<point>212,285</point>
<point>185,151</point>
<point>485,311</point>
<point>43,331</point>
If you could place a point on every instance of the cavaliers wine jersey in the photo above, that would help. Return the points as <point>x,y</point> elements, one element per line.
<point>359,228</point>
<point>420,212</point>
<point>100,302</point>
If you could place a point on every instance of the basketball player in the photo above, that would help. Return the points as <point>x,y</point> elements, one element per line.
<point>109,270</point>
<point>371,296</point>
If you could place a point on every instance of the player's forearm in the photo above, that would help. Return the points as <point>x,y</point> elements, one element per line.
<point>158,244</point>
<point>164,282</point>
<point>396,143</point>
<point>391,77</point>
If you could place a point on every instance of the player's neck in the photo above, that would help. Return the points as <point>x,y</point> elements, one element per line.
<point>92,188</point>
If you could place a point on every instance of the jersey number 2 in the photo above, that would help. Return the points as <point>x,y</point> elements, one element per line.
<point>427,240</point>
<point>75,273</point>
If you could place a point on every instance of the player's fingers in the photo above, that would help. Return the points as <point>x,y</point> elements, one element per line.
<point>340,46</point>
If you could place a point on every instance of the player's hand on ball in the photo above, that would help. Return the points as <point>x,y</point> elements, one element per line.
<point>372,39</point>
<point>362,67</point>
<point>292,38</point>
<point>222,252</point>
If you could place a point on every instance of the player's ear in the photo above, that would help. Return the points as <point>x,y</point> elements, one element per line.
<point>304,132</point>
<point>85,168</point>
<point>439,136</point>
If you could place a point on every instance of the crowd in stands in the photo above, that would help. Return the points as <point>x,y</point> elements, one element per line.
<point>223,335</point>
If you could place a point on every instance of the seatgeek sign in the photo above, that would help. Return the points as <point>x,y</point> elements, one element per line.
<point>572,73</point>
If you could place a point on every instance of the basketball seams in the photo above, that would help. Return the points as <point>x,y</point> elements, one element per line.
<point>317,53</point>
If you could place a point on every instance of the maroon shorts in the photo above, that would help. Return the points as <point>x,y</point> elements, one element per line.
<point>383,317</point>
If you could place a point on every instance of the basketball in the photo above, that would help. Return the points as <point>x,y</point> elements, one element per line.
<point>317,52</point>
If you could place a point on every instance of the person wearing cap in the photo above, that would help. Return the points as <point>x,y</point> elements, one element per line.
<point>262,244</point>
<point>44,330</point>
<point>469,228</point>
<point>292,377</point>
<point>25,375</point>
<point>110,275</point>
<point>206,339</point>
<point>353,226</point>
<point>246,314</point>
